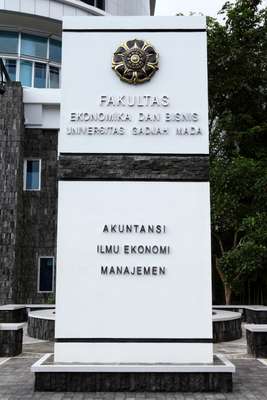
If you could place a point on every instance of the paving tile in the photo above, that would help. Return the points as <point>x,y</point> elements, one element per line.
<point>17,381</point>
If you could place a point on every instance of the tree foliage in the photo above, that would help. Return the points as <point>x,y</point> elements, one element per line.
<point>237,53</point>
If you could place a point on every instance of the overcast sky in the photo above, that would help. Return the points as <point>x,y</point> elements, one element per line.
<point>172,7</point>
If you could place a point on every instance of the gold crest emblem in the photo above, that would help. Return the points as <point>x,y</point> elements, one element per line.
<point>135,61</point>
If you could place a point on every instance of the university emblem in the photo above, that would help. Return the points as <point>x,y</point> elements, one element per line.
<point>135,61</point>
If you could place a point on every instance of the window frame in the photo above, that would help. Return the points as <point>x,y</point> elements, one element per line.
<point>33,56</point>
<point>53,275</point>
<point>32,71</point>
<point>25,174</point>
<point>20,57</point>
<point>12,59</point>
<point>51,61</point>
<point>104,5</point>
<point>48,76</point>
<point>18,42</point>
<point>33,74</point>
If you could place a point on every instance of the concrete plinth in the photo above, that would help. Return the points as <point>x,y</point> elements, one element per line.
<point>256,315</point>
<point>13,314</point>
<point>257,340</point>
<point>11,339</point>
<point>215,377</point>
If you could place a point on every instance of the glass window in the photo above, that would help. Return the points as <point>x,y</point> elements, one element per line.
<point>34,46</point>
<point>40,75</point>
<point>32,175</point>
<point>90,2</point>
<point>26,73</point>
<point>46,274</point>
<point>11,67</point>
<point>8,42</point>
<point>53,77</point>
<point>100,4</point>
<point>55,50</point>
<point>95,3</point>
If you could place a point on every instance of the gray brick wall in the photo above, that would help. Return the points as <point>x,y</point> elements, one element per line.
<point>27,219</point>
<point>39,213</point>
<point>11,167</point>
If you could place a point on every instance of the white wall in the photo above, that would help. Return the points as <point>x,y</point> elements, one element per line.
<point>41,108</point>
<point>174,305</point>
<point>182,78</point>
<point>60,8</point>
<point>56,9</point>
<point>128,7</point>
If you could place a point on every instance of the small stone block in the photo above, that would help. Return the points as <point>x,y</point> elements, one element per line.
<point>10,342</point>
<point>257,343</point>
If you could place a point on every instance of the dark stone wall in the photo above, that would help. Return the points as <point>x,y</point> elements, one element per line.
<point>11,178</point>
<point>257,344</point>
<point>13,316</point>
<point>133,382</point>
<point>27,218</point>
<point>10,342</point>
<point>39,214</point>
<point>225,331</point>
<point>134,167</point>
<point>256,316</point>
<point>41,328</point>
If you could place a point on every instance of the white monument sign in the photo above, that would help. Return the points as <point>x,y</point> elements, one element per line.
<point>133,263</point>
<point>136,260</point>
<point>102,114</point>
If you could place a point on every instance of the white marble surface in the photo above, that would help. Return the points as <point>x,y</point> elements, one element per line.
<point>225,315</point>
<point>43,314</point>
<point>42,366</point>
<point>219,316</point>
<point>11,307</point>
<point>256,327</point>
<point>11,326</point>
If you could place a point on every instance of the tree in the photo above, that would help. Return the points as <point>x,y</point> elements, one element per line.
<point>239,219</point>
<point>237,53</point>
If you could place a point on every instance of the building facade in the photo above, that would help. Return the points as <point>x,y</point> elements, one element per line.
<point>30,47</point>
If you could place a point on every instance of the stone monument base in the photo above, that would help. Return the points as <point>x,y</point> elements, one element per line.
<point>64,377</point>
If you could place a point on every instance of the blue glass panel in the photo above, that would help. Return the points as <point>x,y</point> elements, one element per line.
<point>53,77</point>
<point>11,67</point>
<point>55,50</point>
<point>32,175</point>
<point>26,73</point>
<point>40,75</point>
<point>8,42</point>
<point>46,275</point>
<point>33,46</point>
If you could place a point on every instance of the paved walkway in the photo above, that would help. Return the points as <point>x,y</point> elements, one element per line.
<point>16,380</point>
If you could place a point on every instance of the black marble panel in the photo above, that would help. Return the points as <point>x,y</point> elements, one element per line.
<point>134,167</point>
<point>133,382</point>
